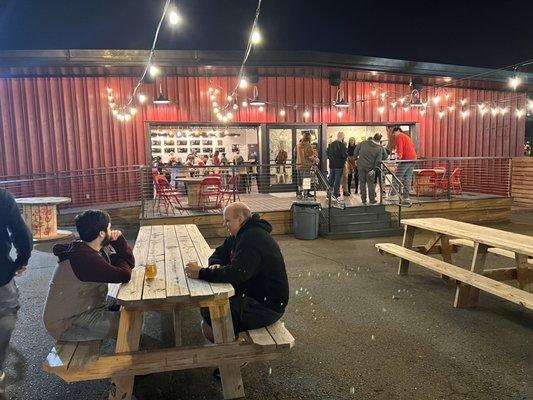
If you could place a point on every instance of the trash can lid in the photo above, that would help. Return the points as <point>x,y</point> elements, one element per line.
<point>304,203</point>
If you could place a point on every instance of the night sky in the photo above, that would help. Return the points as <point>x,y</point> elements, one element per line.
<point>477,33</point>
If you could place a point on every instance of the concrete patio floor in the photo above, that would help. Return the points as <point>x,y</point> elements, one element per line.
<point>361,332</point>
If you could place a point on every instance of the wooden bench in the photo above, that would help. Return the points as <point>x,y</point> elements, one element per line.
<point>493,250</point>
<point>464,277</point>
<point>81,361</point>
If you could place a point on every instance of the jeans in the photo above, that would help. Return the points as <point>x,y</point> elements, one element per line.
<point>364,181</point>
<point>9,305</point>
<point>302,174</point>
<point>334,180</point>
<point>404,173</point>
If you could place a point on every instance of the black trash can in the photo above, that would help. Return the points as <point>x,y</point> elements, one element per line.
<point>305,219</point>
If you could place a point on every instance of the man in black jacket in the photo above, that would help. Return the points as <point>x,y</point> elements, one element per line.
<point>13,232</point>
<point>337,155</point>
<point>251,260</point>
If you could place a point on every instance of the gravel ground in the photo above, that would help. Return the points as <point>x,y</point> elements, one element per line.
<point>361,332</point>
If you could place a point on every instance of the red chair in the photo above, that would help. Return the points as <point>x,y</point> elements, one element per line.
<point>166,193</point>
<point>232,188</point>
<point>455,181</point>
<point>426,178</point>
<point>209,193</point>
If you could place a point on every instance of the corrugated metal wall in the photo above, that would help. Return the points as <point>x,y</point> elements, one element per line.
<point>52,124</point>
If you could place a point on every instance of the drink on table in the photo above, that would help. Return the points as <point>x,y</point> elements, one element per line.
<point>150,269</point>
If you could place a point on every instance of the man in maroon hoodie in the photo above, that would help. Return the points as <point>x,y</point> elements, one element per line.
<point>76,307</point>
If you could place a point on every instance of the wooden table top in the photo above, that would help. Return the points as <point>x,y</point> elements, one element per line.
<point>43,200</point>
<point>515,242</point>
<point>171,246</point>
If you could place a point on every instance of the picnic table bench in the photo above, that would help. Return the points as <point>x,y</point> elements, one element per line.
<point>172,246</point>
<point>448,235</point>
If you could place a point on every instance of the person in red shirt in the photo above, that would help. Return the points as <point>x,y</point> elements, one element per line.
<point>406,155</point>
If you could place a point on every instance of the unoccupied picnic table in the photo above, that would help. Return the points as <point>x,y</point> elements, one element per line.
<point>450,234</point>
<point>171,246</point>
<point>40,214</point>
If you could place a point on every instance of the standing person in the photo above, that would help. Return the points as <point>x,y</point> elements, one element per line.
<point>224,160</point>
<point>305,159</point>
<point>406,154</point>
<point>251,260</point>
<point>281,160</point>
<point>350,170</point>
<point>377,177</point>
<point>13,233</point>
<point>337,155</point>
<point>76,307</point>
<point>216,158</point>
<point>369,155</point>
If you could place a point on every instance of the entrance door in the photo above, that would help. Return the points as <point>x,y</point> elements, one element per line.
<point>281,144</point>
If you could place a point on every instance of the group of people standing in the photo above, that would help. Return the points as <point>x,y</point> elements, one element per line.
<point>363,162</point>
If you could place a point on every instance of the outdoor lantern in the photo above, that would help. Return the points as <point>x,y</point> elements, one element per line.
<point>256,102</point>
<point>161,99</point>
<point>339,100</point>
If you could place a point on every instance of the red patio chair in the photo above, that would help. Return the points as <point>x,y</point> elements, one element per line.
<point>231,188</point>
<point>426,178</point>
<point>455,181</point>
<point>164,192</point>
<point>209,193</point>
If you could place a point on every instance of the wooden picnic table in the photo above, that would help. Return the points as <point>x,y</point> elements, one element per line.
<point>482,239</point>
<point>171,246</point>
<point>40,213</point>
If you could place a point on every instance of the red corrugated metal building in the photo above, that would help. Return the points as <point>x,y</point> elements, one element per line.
<point>55,114</point>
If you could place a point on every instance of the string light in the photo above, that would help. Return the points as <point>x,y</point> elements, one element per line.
<point>423,111</point>
<point>381,109</point>
<point>306,114</point>
<point>519,113</point>
<point>210,90</point>
<point>465,113</point>
<point>340,114</point>
<point>261,108</point>
<point>127,117</point>
<point>214,104</point>
<point>530,104</point>
<point>451,108</point>
<point>394,104</point>
<point>109,90</point>
<point>153,70</point>
<point>174,18</point>
<point>235,106</point>
<point>401,100</point>
<point>441,114</point>
<point>229,115</point>
<point>216,110</point>
<point>373,92</point>
<point>230,97</point>
<point>212,97</point>
<point>243,84</point>
<point>447,95</point>
<point>483,111</point>
<point>142,98</point>
<point>494,111</point>
<point>256,36</point>
<point>503,110</point>
<point>244,103</point>
<point>133,110</point>
<point>282,112</point>
<point>405,109</point>
<point>514,82</point>
<point>463,101</point>
<point>436,100</point>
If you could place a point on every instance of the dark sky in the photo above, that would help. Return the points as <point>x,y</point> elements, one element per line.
<point>479,33</point>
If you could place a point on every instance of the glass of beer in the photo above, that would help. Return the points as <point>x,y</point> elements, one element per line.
<point>150,269</point>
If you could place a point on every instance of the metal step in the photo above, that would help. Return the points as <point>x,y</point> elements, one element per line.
<point>363,234</point>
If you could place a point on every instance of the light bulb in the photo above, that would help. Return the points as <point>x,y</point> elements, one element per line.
<point>243,83</point>
<point>406,109</point>
<point>483,111</point>
<point>224,119</point>
<point>174,18</point>
<point>154,71</point>
<point>519,113</point>
<point>109,90</point>
<point>212,97</point>
<point>530,105</point>
<point>229,98</point>
<point>115,112</point>
<point>133,110</point>
<point>463,101</point>
<point>216,110</point>
<point>244,103</point>
<point>217,91</point>
<point>214,104</point>
<point>441,114</point>
<point>261,109</point>
<point>112,105</point>
<point>229,115</point>
<point>110,98</point>
<point>306,114</point>
<point>381,109</point>
<point>514,82</point>
<point>210,90</point>
<point>494,111</point>
<point>340,114</point>
<point>235,106</point>
<point>436,100</point>
<point>422,111</point>
<point>120,117</point>
<point>447,79</point>
<point>282,112</point>
<point>394,104</point>
<point>142,98</point>
<point>451,108</point>
<point>401,100</point>
<point>465,114</point>
<point>373,92</point>
<point>127,117</point>
<point>447,96</point>
<point>256,36</point>
<point>503,110</point>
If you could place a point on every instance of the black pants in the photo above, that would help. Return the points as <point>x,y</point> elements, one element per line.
<point>246,313</point>
<point>355,177</point>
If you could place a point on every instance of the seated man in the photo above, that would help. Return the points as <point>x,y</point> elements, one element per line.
<point>76,307</point>
<point>251,260</point>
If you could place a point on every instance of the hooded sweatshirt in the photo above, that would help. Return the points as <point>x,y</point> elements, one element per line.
<point>369,154</point>
<point>252,262</point>
<point>13,232</point>
<point>79,283</point>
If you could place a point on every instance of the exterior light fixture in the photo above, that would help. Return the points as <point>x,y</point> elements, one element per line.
<point>161,99</point>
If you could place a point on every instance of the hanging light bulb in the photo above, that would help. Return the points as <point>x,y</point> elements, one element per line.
<point>142,98</point>
<point>229,115</point>
<point>447,95</point>
<point>153,70</point>
<point>401,100</point>
<point>503,110</point>
<point>127,117</point>
<point>422,111</point>
<point>465,113</point>
<point>212,97</point>
<point>373,92</point>
<point>217,91</point>
<point>235,106</point>
<point>261,108</point>
<point>282,112</point>
<point>514,82</point>
<point>244,103</point>
<point>307,114</point>
<point>214,104</point>
<point>224,119</point>
<point>383,95</point>
<point>109,90</point>
<point>483,111</point>
<point>340,114</point>
<point>120,117</point>
<point>210,90</point>
<point>115,112</point>
<point>133,110</point>
<point>494,111</point>
<point>112,105</point>
<point>519,113</point>
<point>174,18</point>
<point>394,104</point>
<point>381,109</point>
<point>436,100</point>
<point>441,114</point>
<point>243,83</point>
<point>230,97</point>
<point>406,109</point>
<point>256,36</point>
<point>464,101</point>
<point>451,108</point>
<point>216,110</point>
<point>110,98</point>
